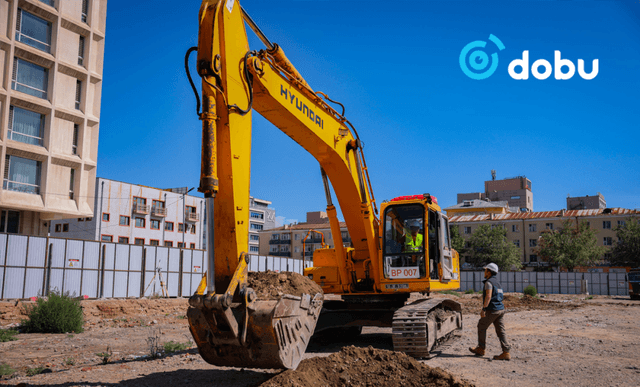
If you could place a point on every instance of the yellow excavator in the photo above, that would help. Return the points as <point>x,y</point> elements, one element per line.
<point>408,251</point>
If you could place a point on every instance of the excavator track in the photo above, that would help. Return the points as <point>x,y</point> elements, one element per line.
<point>424,325</point>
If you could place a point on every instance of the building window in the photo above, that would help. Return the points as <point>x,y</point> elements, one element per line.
<point>81,50</point>
<point>606,224</point>
<point>608,241</point>
<point>467,230</point>
<point>80,219</point>
<point>515,228</point>
<point>180,244</point>
<point>549,226</point>
<point>139,241</point>
<point>191,213</point>
<point>10,221</point>
<point>137,201</point>
<point>345,234</point>
<point>254,249</point>
<point>105,217</point>
<point>168,226</point>
<point>22,175</point>
<point>533,242</point>
<point>33,31</point>
<point>29,78</point>
<point>607,257</point>
<point>274,249</point>
<point>296,236</point>
<point>47,2</point>
<point>58,227</point>
<point>65,227</point>
<point>72,174</point>
<point>124,220</point>
<point>532,228</point>
<point>193,229</point>
<point>296,249</point>
<point>286,237</point>
<point>254,237</point>
<point>168,243</point>
<point>85,10</point>
<point>88,219</point>
<point>257,227</point>
<point>192,245</point>
<point>154,242</point>
<point>257,215</point>
<point>157,206</point>
<point>78,93</point>
<point>155,224</point>
<point>515,197</point>
<point>107,238</point>
<point>180,227</point>
<point>124,240</point>
<point>141,222</point>
<point>26,126</point>
<point>621,223</point>
<point>517,242</point>
<point>74,143</point>
<point>275,237</point>
<point>533,258</point>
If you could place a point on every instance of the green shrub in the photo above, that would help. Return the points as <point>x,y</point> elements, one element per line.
<point>469,291</point>
<point>34,371</point>
<point>174,346</point>
<point>57,314</point>
<point>7,335</point>
<point>105,356</point>
<point>6,370</point>
<point>530,291</point>
<point>70,361</point>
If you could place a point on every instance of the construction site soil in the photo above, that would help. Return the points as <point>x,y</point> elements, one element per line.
<point>556,340</point>
<point>271,285</point>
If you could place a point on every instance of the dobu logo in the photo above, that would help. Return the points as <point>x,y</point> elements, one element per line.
<point>481,66</point>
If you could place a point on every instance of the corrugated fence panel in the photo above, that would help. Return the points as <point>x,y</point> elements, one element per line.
<point>135,271</point>
<point>90,269</point>
<point>151,284</point>
<point>253,262</point>
<point>37,251</point>
<point>173,277</point>
<point>3,248</point>
<point>198,269</point>
<point>186,273</point>
<point>108,251</point>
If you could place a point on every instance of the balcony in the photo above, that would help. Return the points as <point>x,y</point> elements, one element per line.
<point>314,240</point>
<point>159,212</point>
<point>279,242</point>
<point>281,254</point>
<point>191,217</point>
<point>308,254</point>
<point>142,209</point>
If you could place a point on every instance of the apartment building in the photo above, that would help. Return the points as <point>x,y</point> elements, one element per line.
<point>586,202</point>
<point>524,229</point>
<point>298,240</point>
<point>479,207</point>
<point>515,191</point>
<point>261,217</point>
<point>51,56</point>
<point>136,214</point>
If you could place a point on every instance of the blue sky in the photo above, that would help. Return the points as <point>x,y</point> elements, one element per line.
<point>426,126</point>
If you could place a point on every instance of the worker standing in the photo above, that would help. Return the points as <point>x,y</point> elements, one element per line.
<point>492,313</point>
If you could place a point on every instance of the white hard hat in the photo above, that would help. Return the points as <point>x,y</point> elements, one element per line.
<point>492,267</point>
<point>414,223</point>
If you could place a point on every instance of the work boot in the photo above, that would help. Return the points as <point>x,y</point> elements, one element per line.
<point>503,356</point>
<point>478,351</point>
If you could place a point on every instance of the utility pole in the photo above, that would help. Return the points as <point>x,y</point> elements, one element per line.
<point>184,220</point>
<point>164,219</point>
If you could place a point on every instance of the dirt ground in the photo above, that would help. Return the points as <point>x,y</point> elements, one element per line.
<point>557,340</point>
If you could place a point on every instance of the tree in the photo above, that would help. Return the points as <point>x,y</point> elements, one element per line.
<point>490,244</point>
<point>457,241</point>
<point>627,251</point>
<point>570,246</point>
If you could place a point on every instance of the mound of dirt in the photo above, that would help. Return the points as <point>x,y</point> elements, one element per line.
<point>271,285</point>
<point>360,367</point>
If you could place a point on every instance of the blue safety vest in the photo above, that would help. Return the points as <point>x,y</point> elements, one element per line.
<point>496,294</point>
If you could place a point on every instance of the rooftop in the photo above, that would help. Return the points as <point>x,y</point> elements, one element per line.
<point>544,214</point>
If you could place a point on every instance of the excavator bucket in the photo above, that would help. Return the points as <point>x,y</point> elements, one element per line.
<point>256,333</point>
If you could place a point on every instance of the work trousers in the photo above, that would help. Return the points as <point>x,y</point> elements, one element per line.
<point>497,319</point>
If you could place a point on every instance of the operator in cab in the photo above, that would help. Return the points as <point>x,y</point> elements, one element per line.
<point>413,239</point>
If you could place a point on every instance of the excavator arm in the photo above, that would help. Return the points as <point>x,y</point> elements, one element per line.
<point>231,326</point>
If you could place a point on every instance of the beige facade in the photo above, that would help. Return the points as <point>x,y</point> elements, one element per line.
<point>51,56</point>
<point>524,229</point>
<point>516,191</point>
<point>287,241</point>
<point>586,202</point>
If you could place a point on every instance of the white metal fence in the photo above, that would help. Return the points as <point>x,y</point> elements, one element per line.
<point>33,266</point>
<point>612,284</point>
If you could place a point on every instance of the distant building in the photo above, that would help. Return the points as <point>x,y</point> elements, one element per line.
<point>479,207</point>
<point>136,214</point>
<point>287,241</point>
<point>51,67</point>
<point>524,229</point>
<point>261,217</point>
<point>586,202</point>
<point>515,191</point>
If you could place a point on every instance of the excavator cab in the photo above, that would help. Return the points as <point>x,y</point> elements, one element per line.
<point>404,241</point>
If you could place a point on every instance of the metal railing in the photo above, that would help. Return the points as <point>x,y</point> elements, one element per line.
<point>192,216</point>
<point>21,187</point>
<point>158,211</point>
<point>142,209</point>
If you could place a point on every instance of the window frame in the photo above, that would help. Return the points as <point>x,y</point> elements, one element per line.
<point>144,222</point>
<point>58,227</point>
<point>108,216</point>
<point>15,83</point>
<point>32,189</point>
<point>151,224</point>
<point>11,127</point>
<point>166,224</point>
<point>168,243</point>
<point>128,218</point>
<point>135,242</point>
<point>108,236</point>
<point>151,241</point>
<point>121,238</point>
<point>65,227</point>
<point>19,33</point>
